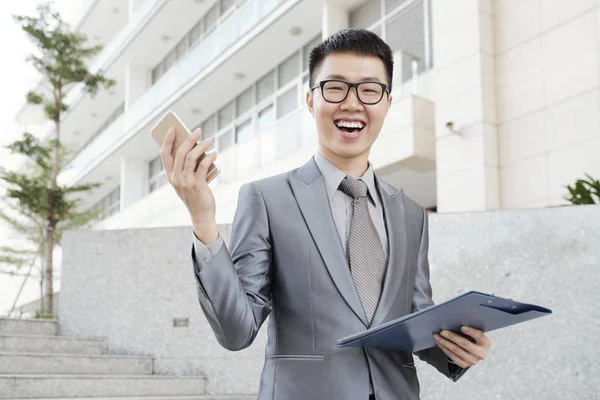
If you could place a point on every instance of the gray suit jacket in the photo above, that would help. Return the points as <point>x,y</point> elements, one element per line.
<point>285,260</point>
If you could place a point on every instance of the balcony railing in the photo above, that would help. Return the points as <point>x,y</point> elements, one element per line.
<point>293,132</point>
<point>112,50</point>
<point>93,151</point>
<point>231,31</point>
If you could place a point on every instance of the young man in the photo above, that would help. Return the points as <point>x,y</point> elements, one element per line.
<point>327,250</point>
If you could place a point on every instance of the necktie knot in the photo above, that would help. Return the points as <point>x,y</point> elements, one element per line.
<point>354,188</point>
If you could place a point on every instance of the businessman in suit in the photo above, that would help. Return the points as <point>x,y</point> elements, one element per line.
<point>327,250</point>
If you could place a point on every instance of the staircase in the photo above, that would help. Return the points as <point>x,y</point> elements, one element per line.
<point>37,363</point>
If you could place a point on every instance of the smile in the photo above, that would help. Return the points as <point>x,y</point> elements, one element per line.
<point>350,129</point>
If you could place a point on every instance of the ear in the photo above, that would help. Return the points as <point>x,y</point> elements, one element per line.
<point>389,103</point>
<point>309,103</point>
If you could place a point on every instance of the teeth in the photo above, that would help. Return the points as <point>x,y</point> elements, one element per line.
<point>347,124</point>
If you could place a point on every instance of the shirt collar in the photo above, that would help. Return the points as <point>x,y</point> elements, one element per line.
<point>333,176</point>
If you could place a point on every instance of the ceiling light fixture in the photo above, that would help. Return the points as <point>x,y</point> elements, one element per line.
<point>295,31</point>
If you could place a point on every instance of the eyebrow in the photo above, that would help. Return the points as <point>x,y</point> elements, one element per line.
<point>343,78</point>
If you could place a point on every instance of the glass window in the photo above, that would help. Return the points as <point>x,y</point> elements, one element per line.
<point>209,127</point>
<point>287,102</point>
<point>169,60</point>
<point>306,51</point>
<point>226,115</point>
<point>210,19</point>
<point>266,117</point>
<point>182,47</point>
<point>265,87</point>
<point>196,32</point>
<point>155,167</point>
<point>226,5</point>
<point>288,70</point>
<point>225,140</point>
<point>391,5</point>
<point>405,32</point>
<point>243,102</point>
<point>158,72</point>
<point>365,15</point>
<point>244,131</point>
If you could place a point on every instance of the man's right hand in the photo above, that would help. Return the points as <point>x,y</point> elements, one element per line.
<point>190,185</point>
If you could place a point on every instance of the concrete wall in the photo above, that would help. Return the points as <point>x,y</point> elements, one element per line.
<point>128,285</point>
<point>521,82</point>
<point>548,97</point>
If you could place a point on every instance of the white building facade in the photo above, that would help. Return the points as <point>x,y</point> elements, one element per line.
<point>496,103</point>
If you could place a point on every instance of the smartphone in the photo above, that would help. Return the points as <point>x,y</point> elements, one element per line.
<point>159,133</point>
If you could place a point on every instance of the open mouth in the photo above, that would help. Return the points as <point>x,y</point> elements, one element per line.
<point>350,128</point>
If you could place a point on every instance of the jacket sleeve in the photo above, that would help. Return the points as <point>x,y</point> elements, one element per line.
<point>422,298</point>
<point>234,286</point>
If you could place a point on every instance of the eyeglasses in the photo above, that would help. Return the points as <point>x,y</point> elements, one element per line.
<point>368,93</point>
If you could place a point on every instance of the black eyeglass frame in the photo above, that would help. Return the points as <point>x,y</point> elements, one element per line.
<point>350,86</point>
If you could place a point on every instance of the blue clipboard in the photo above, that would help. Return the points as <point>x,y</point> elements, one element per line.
<point>415,331</point>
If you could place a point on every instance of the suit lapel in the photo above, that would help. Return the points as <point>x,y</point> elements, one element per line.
<point>309,189</point>
<point>395,278</point>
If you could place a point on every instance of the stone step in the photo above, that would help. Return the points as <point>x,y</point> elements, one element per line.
<point>78,386</point>
<point>51,344</point>
<point>14,326</point>
<point>19,363</point>
<point>203,397</point>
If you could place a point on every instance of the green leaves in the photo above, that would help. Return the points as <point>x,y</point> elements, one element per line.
<point>40,206</point>
<point>61,59</point>
<point>34,98</point>
<point>584,191</point>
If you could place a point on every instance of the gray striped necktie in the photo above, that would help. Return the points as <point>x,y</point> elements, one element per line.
<point>365,252</point>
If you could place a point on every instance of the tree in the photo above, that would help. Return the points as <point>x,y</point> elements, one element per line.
<point>48,207</point>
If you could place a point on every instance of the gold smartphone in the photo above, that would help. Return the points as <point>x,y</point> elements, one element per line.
<point>160,130</point>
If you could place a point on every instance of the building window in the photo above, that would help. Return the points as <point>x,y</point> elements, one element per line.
<point>287,102</point>
<point>209,127</point>
<point>265,87</point>
<point>109,204</point>
<point>405,26</point>
<point>207,23</point>
<point>225,115</point>
<point>225,140</point>
<point>243,103</point>
<point>157,176</point>
<point>260,105</point>
<point>306,52</point>
<point>288,70</point>
<point>266,117</point>
<point>244,131</point>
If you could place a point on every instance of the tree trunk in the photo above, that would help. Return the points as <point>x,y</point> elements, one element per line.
<point>52,222</point>
<point>49,301</point>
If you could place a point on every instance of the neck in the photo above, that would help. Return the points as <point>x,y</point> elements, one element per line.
<point>352,166</point>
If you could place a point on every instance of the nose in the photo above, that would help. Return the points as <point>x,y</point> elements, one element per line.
<point>351,102</point>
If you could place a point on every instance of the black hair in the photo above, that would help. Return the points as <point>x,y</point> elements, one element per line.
<point>359,41</point>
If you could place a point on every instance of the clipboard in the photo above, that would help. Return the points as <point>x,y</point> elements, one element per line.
<point>414,332</point>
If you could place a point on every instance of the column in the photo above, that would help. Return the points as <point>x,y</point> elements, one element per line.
<point>465,95</point>
<point>134,178</point>
<point>335,18</point>
<point>137,81</point>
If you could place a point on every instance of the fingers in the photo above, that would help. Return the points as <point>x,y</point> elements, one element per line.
<point>463,348</point>
<point>205,164</point>
<point>166,151</point>
<point>451,355</point>
<point>479,336</point>
<point>191,159</point>
<point>184,149</point>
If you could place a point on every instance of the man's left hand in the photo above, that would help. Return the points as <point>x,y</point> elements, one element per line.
<point>461,350</point>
